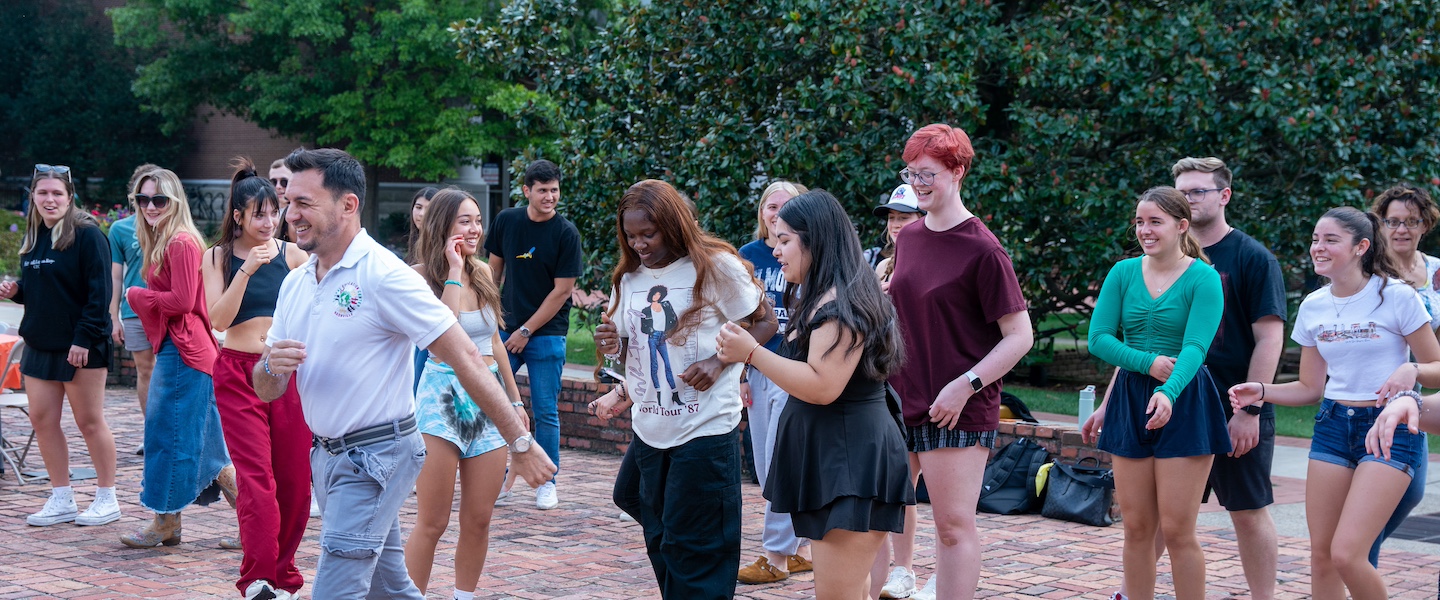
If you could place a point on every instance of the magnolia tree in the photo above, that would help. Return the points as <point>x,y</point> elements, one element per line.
<point>1074,109</point>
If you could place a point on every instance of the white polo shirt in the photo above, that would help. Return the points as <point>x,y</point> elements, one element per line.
<point>360,326</point>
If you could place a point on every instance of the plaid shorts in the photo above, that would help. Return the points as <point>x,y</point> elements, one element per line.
<point>930,436</point>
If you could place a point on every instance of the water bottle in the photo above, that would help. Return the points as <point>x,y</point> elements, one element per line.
<point>1087,403</point>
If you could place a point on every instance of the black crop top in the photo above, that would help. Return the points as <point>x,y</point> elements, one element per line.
<point>263,289</point>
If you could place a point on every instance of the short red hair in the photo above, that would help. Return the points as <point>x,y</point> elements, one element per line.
<point>949,145</point>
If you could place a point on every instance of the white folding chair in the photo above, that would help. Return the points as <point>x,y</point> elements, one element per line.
<point>15,454</point>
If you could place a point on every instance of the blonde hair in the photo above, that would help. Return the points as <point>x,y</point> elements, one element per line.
<point>1214,166</point>
<point>175,221</point>
<point>762,229</point>
<point>62,235</point>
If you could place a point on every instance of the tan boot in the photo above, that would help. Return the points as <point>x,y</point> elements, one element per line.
<point>226,481</point>
<point>165,529</point>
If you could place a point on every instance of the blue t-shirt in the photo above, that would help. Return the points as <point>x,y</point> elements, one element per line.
<point>125,250</point>
<point>767,270</point>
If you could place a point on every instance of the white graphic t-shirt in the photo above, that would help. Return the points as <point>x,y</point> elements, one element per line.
<point>1361,338</point>
<point>667,412</point>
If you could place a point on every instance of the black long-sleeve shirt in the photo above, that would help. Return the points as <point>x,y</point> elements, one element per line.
<point>66,293</point>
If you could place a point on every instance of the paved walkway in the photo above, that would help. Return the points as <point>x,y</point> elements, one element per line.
<point>581,550</point>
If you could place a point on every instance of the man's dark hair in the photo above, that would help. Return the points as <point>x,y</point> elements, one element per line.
<point>541,171</point>
<point>340,172</point>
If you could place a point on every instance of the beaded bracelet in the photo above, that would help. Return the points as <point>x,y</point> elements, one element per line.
<point>454,283</point>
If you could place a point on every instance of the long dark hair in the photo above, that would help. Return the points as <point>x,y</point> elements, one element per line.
<point>249,194</point>
<point>1366,226</point>
<point>682,235</point>
<point>412,242</point>
<point>837,265</point>
<point>430,249</point>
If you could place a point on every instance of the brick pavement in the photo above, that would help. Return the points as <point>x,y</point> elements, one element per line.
<point>581,550</point>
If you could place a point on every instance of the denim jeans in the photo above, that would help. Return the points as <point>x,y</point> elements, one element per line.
<point>184,444</point>
<point>660,351</point>
<point>546,356</point>
<point>767,402</point>
<point>690,512</point>
<point>360,491</point>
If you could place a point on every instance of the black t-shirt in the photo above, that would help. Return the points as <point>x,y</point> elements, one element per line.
<point>535,255</point>
<point>1254,289</point>
<point>66,293</point>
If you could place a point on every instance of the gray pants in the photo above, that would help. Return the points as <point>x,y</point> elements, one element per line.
<point>360,491</point>
<point>767,400</point>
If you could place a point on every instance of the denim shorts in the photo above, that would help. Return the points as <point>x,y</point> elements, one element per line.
<point>1340,439</point>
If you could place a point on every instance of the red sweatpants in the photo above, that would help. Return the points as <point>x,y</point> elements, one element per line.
<point>269,444</point>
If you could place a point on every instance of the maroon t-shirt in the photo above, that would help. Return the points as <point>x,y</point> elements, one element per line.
<point>950,289</point>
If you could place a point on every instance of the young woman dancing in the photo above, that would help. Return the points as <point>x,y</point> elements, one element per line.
<point>458,435</point>
<point>1356,337</point>
<point>841,470</point>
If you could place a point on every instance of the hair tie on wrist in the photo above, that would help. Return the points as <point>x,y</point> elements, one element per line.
<point>454,283</point>
<point>1262,391</point>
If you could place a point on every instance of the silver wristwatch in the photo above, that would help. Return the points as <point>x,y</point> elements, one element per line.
<point>522,444</point>
<point>523,331</point>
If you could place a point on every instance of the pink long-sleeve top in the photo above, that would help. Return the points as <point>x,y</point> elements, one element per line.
<point>174,305</point>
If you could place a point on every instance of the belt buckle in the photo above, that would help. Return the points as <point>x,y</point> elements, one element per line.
<point>325,444</point>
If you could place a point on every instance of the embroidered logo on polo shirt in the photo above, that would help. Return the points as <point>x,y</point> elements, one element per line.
<point>348,299</point>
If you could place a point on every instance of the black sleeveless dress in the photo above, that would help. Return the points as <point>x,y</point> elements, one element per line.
<point>842,465</point>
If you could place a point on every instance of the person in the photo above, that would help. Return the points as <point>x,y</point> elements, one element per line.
<point>1247,347</point>
<point>784,552</point>
<point>901,210</point>
<point>280,179</point>
<point>417,219</point>
<point>268,441</point>
<point>125,271</point>
<point>958,345</point>
<point>841,472</point>
<point>344,330</point>
<point>1155,319</point>
<point>535,258</point>
<point>457,434</point>
<point>896,580</point>
<point>64,285</point>
<point>1408,213</point>
<point>680,478</point>
<point>1356,336</point>
<point>185,456</point>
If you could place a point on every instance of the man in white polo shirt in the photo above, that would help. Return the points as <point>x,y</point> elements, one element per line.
<point>345,325</point>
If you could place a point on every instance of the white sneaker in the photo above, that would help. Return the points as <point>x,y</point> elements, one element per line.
<point>545,496</point>
<point>314,508</point>
<point>260,590</point>
<point>926,593</point>
<point>100,513</point>
<point>900,583</point>
<point>55,511</point>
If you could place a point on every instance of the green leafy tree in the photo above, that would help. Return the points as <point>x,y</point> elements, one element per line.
<point>65,97</point>
<point>1074,108</point>
<point>379,78</point>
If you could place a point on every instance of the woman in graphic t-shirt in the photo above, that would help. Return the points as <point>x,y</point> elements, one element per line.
<point>681,475</point>
<point>1356,336</point>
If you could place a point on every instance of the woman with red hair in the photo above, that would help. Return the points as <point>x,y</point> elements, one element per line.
<point>965,326</point>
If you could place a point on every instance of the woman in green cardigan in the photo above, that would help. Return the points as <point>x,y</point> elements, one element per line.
<point>1164,422</point>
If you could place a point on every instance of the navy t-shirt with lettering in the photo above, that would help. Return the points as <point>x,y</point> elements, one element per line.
<point>767,270</point>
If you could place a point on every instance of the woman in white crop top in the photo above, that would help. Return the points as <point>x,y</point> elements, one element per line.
<point>457,434</point>
<point>1358,332</point>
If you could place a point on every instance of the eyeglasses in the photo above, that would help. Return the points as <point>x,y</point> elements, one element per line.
<point>56,169</point>
<point>157,201</point>
<point>1198,195</point>
<point>1410,223</point>
<point>912,177</point>
<point>281,182</point>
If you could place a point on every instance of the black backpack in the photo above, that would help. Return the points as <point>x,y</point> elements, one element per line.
<point>1009,486</point>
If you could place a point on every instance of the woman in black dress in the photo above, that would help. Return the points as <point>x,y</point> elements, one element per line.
<point>844,479</point>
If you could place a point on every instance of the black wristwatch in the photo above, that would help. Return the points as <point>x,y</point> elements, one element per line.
<point>1252,410</point>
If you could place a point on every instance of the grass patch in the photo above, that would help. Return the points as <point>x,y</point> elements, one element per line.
<point>1290,421</point>
<point>580,342</point>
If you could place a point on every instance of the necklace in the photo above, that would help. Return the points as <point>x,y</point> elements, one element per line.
<point>657,273</point>
<point>1160,289</point>
<point>1339,308</point>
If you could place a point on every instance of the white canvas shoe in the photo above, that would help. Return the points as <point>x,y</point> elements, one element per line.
<point>55,511</point>
<point>100,512</point>
<point>545,496</point>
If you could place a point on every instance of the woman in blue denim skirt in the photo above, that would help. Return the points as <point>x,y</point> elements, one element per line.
<point>1356,336</point>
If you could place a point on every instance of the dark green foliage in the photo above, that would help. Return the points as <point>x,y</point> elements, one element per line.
<point>1075,108</point>
<point>65,97</point>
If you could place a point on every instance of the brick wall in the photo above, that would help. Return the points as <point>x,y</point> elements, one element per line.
<point>122,368</point>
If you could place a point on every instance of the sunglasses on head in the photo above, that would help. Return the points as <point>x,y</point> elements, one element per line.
<point>56,169</point>
<point>281,182</point>
<point>156,201</point>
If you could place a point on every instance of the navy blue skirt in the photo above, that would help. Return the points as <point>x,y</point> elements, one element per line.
<point>1197,423</point>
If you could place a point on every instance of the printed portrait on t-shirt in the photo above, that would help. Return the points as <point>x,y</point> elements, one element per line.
<point>654,314</point>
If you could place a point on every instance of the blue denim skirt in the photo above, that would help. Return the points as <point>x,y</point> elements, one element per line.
<point>1197,423</point>
<point>184,446</point>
